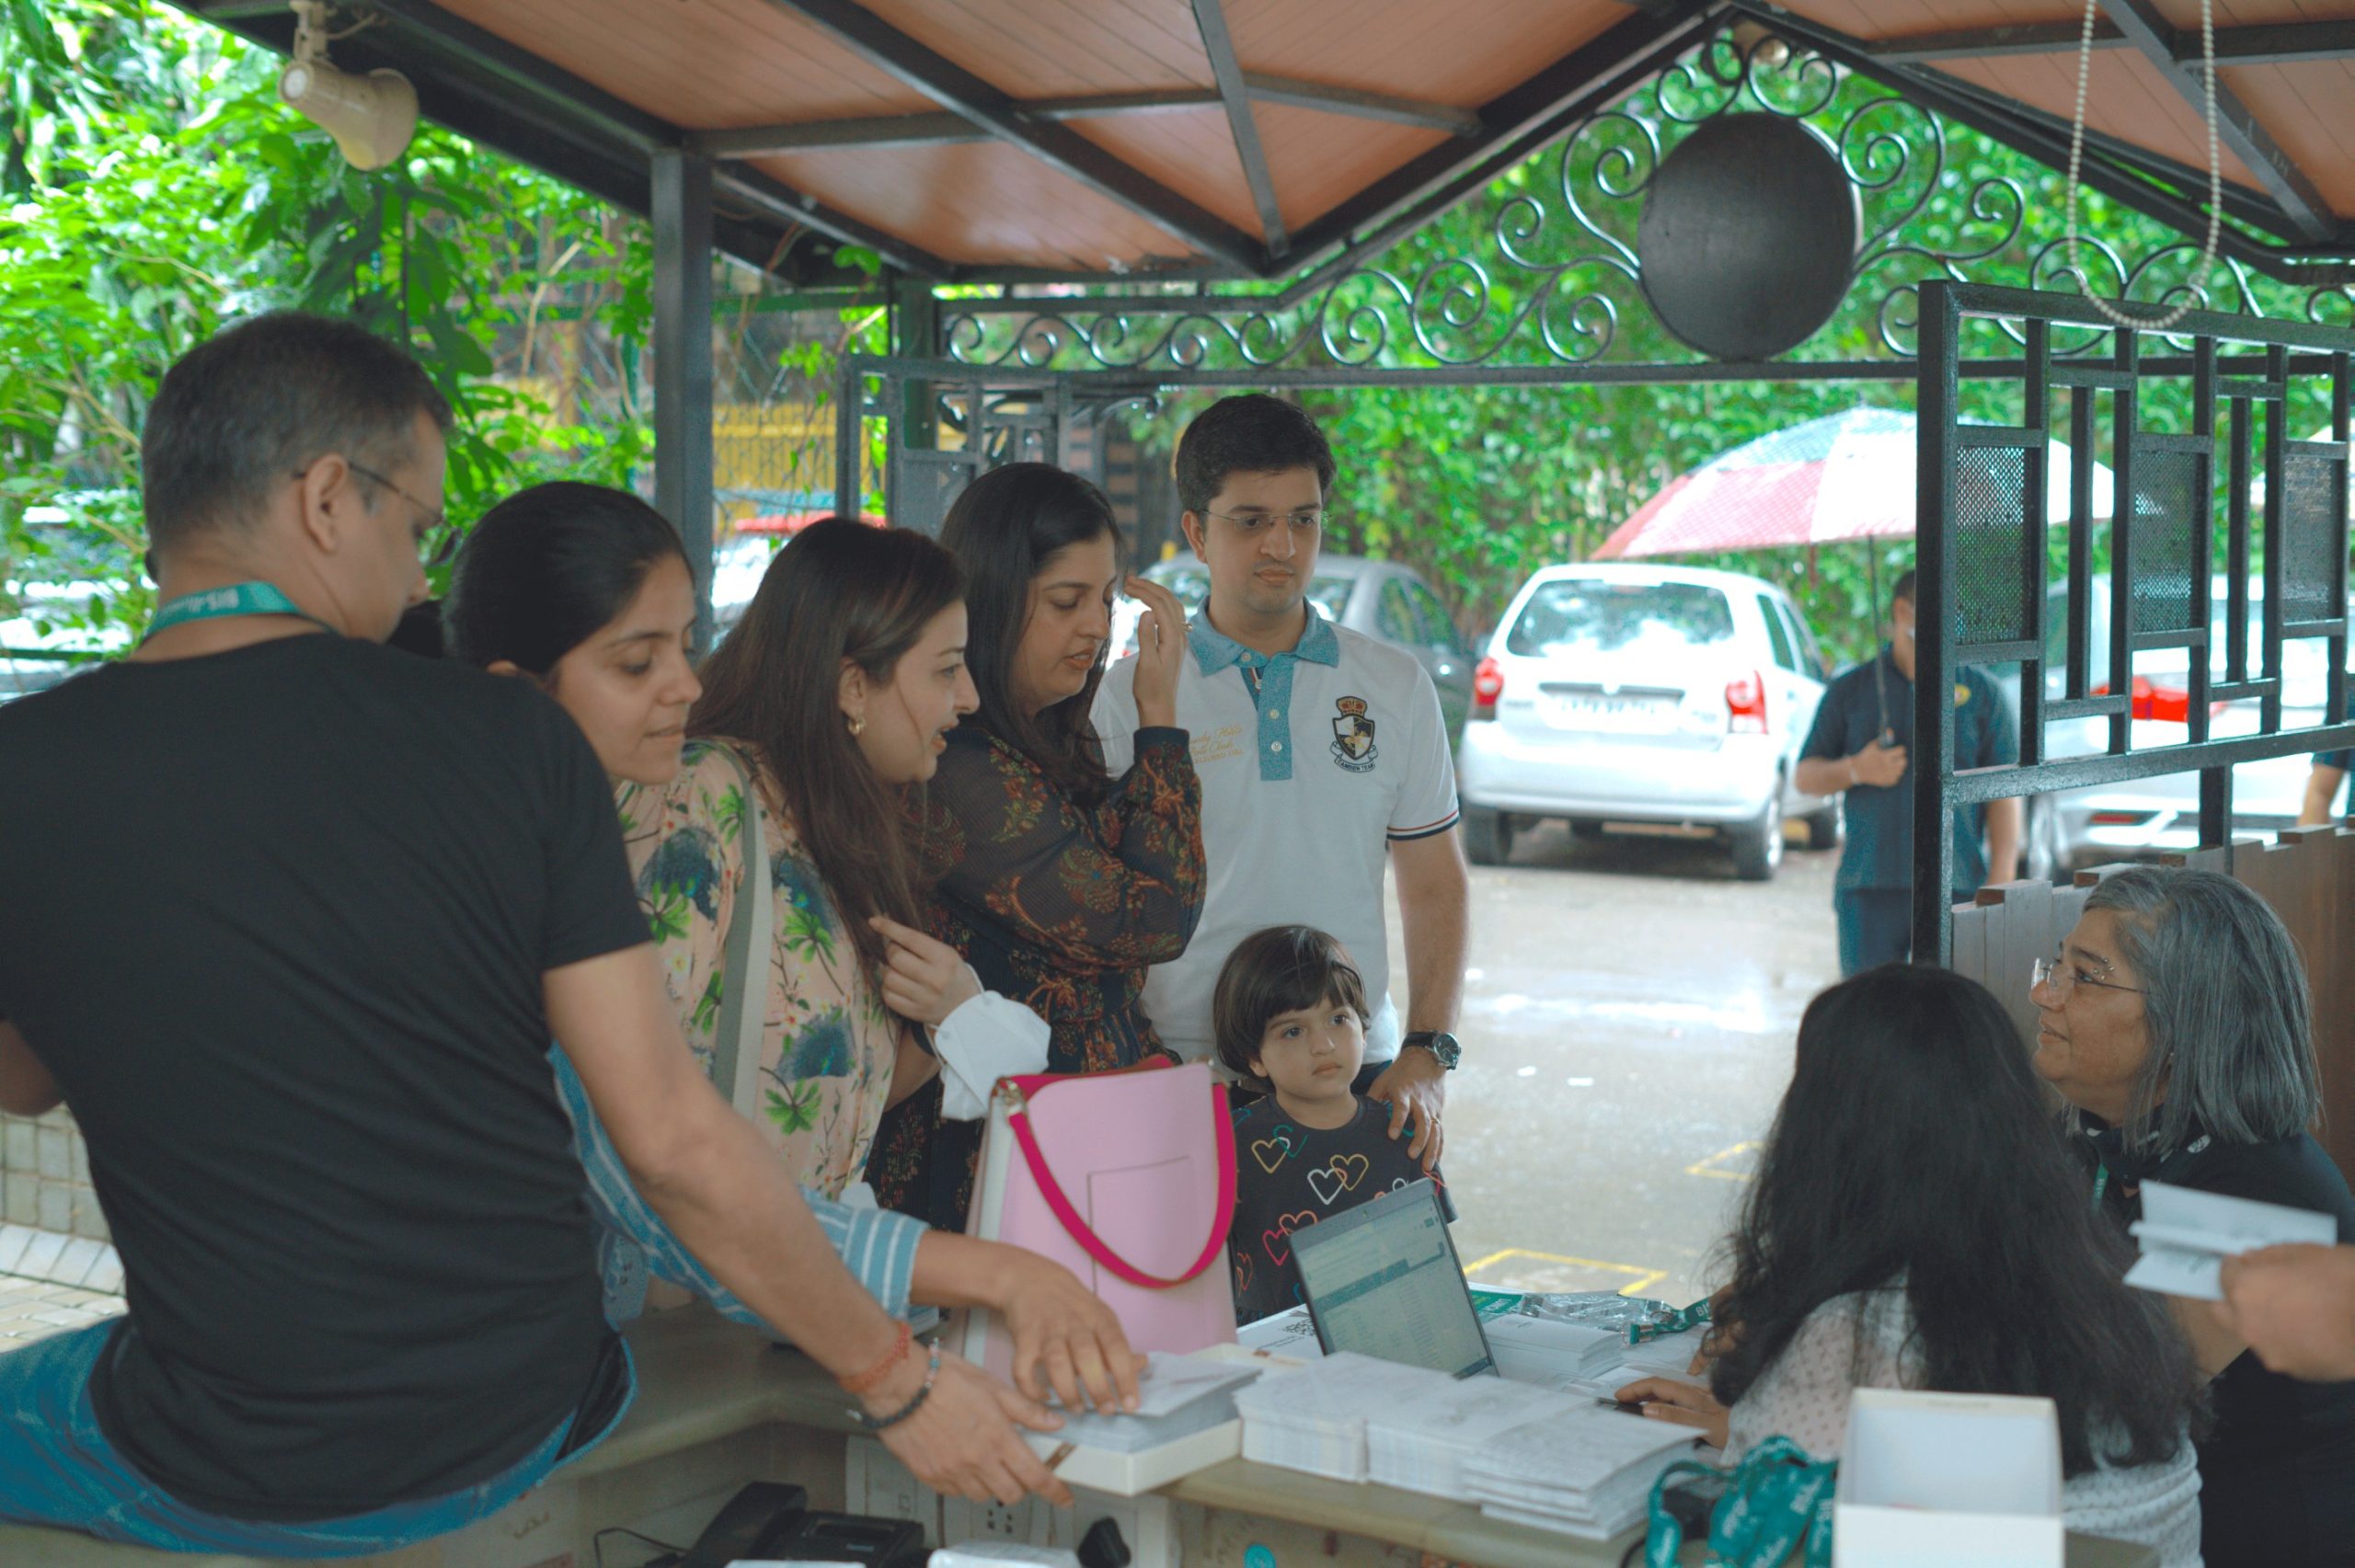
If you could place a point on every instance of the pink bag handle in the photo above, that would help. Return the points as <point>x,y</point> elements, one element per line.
<point>1063,1210</point>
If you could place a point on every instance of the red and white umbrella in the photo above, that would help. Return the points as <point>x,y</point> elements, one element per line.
<point>1842,476</point>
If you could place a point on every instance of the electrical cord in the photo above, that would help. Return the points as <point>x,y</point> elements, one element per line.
<point>671,1554</point>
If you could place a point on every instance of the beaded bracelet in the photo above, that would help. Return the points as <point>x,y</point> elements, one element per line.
<point>881,1370</point>
<point>884,1422</point>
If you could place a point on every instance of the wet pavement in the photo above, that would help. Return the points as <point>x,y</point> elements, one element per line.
<point>1627,1029</point>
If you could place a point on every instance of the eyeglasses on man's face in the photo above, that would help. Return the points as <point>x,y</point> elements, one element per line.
<point>2061,975</point>
<point>437,541</point>
<point>1257,524</point>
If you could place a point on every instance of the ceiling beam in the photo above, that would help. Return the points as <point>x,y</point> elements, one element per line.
<point>1983,44</point>
<point>1060,148</point>
<point>1210,21</point>
<point>2236,126</point>
<point>1363,105</point>
<point>2287,43</point>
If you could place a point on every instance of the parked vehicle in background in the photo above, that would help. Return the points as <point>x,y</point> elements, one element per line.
<point>1641,694</point>
<point>1383,600</point>
<point>2070,830</point>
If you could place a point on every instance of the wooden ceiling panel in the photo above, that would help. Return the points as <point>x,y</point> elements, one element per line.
<point>982,203</point>
<point>1191,151</point>
<point>2185,13</point>
<point>1414,49</point>
<point>2125,96</point>
<point>1874,20</point>
<point>1036,49</point>
<point>706,64</point>
<point>2310,109</point>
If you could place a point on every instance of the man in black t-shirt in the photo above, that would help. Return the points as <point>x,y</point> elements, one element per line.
<point>289,921</point>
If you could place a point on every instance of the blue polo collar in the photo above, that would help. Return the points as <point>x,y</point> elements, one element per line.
<point>1214,650</point>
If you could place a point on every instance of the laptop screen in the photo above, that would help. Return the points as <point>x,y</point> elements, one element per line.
<point>1383,1280</point>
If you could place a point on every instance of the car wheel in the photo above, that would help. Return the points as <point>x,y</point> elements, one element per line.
<point>1823,829</point>
<point>1487,836</point>
<point>1758,844</point>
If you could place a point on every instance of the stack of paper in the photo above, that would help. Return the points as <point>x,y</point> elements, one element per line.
<point>1421,1443</point>
<point>2188,1235</point>
<point>1314,1419</point>
<point>1589,1472</point>
<point>1553,1355</point>
<point>1292,1333</point>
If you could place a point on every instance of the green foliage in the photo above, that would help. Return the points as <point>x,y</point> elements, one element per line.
<point>156,189</point>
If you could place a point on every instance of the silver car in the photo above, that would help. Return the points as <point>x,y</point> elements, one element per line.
<point>1643,695</point>
<point>1383,600</point>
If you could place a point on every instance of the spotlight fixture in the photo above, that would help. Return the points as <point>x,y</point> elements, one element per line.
<point>371,118</point>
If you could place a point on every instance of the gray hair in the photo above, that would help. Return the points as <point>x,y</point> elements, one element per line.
<point>2225,996</point>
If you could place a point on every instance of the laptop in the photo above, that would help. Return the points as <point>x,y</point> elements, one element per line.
<point>1382,1279</point>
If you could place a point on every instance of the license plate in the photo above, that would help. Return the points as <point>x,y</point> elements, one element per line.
<point>1609,711</point>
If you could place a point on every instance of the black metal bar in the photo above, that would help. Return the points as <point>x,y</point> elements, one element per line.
<point>2216,807</point>
<point>1976,787</point>
<point>2242,691</point>
<point>1415,112</point>
<point>850,434</point>
<point>2148,642</point>
<point>1210,21</point>
<point>2236,126</point>
<point>2081,549</point>
<point>2127,348</point>
<point>1060,147</point>
<point>2270,707</point>
<point>2342,387</point>
<point>2086,707</point>
<point>2070,373</point>
<point>2252,387</point>
<point>1987,299</point>
<point>2035,408</point>
<point>1996,653</point>
<point>2201,662</point>
<point>1936,406</point>
<point>683,453</point>
<point>2278,43</point>
<point>2237,541</point>
<point>939,129</point>
<point>1985,43</point>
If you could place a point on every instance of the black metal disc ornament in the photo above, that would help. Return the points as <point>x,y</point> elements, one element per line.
<point>1748,231</point>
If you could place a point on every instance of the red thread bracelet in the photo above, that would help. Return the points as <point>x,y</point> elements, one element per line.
<point>881,1370</point>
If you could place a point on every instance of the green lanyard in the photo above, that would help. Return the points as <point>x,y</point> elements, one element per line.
<point>2101,1184</point>
<point>1775,1500</point>
<point>237,599</point>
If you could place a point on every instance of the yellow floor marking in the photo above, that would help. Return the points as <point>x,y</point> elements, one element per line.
<point>1702,1167</point>
<point>1645,1277</point>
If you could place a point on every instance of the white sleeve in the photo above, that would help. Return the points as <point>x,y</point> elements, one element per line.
<point>1851,1343</point>
<point>988,1037</point>
<point>1427,800</point>
<point>1115,715</point>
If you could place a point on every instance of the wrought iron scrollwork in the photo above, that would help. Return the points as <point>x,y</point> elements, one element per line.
<point>1553,276</point>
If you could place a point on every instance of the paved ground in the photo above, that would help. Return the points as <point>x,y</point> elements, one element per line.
<point>1627,1029</point>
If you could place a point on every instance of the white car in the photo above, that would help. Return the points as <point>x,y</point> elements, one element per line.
<point>1644,695</point>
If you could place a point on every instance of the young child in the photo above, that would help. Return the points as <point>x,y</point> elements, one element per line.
<point>1290,1015</point>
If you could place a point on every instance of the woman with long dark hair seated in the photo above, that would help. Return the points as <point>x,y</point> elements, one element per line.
<point>586,592</point>
<point>1058,883</point>
<point>2174,1021</point>
<point>1913,1223</point>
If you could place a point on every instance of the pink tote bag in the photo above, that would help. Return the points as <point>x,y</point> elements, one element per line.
<point>1125,1178</point>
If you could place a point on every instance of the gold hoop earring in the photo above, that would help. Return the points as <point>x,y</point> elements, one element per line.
<point>856,725</point>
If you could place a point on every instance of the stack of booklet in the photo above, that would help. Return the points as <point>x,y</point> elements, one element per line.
<point>1314,1419</point>
<point>1422,1442</point>
<point>1589,1473</point>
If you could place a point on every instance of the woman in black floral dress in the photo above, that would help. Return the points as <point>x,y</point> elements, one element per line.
<point>1059,884</point>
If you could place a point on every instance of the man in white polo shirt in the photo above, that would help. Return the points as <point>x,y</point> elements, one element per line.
<point>1322,752</point>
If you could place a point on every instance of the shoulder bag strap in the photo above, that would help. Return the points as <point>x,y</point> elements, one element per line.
<point>736,1045</point>
<point>1223,1216</point>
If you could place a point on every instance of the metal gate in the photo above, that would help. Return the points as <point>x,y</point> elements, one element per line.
<point>2183,513</point>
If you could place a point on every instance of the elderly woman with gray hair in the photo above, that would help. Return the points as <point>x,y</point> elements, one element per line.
<point>2175,1020</point>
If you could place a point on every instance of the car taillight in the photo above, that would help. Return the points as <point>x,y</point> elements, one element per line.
<point>1488,685</point>
<point>1746,705</point>
<point>2165,705</point>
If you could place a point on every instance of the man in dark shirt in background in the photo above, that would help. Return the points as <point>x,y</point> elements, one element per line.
<point>288,918</point>
<point>1860,748</point>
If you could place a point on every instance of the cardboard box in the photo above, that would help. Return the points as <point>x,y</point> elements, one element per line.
<point>1949,1480</point>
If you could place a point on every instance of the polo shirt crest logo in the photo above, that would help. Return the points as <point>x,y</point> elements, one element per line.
<point>1353,747</point>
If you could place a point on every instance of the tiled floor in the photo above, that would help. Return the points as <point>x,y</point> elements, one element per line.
<point>34,1309</point>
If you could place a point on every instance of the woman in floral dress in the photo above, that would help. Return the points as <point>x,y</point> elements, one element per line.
<point>1059,883</point>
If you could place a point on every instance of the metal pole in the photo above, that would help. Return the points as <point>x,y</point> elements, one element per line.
<point>1933,758</point>
<point>682,457</point>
